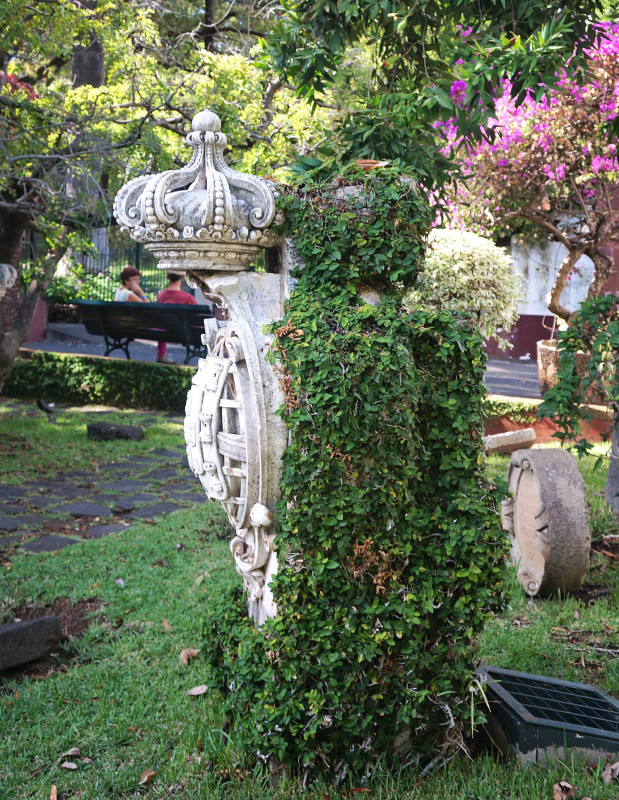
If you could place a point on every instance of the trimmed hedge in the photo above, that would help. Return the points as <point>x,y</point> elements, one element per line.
<point>389,536</point>
<point>91,379</point>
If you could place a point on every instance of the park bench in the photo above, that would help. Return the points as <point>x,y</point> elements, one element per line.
<point>121,323</point>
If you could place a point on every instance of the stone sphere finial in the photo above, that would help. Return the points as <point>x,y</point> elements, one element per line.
<point>206,121</point>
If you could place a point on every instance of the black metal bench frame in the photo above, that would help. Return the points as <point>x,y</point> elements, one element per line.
<point>121,323</point>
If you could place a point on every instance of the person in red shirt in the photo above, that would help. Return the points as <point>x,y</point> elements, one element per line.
<point>172,294</point>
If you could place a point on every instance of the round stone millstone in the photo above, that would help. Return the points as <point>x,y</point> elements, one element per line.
<point>547,518</point>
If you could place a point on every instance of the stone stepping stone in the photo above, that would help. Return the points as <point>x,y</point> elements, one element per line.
<point>118,465</point>
<point>78,474</point>
<point>123,486</point>
<point>29,519</point>
<point>164,474</point>
<point>11,508</point>
<point>129,503</point>
<point>48,486</point>
<point>8,524</point>
<point>8,493</point>
<point>41,502</point>
<point>111,431</point>
<point>6,540</point>
<point>48,543</point>
<point>148,512</point>
<point>70,494</point>
<point>86,509</point>
<point>97,531</point>
<point>194,486</point>
<point>142,497</point>
<point>189,497</point>
<point>162,451</point>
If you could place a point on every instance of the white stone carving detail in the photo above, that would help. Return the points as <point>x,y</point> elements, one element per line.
<point>205,214</point>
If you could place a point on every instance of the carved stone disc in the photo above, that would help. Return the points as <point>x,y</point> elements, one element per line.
<point>224,424</point>
<point>547,519</point>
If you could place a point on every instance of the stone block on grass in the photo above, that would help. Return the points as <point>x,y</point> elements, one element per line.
<point>25,641</point>
<point>510,441</point>
<point>108,431</point>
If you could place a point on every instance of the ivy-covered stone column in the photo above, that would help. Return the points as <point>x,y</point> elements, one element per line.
<point>211,222</point>
<point>346,445</point>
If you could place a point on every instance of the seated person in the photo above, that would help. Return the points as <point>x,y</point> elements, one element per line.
<point>130,291</point>
<point>172,294</point>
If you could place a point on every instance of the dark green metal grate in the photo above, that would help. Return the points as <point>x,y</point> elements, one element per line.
<point>530,713</point>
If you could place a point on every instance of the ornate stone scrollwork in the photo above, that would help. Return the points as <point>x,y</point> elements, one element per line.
<point>225,431</point>
<point>210,221</point>
<point>205,215</point>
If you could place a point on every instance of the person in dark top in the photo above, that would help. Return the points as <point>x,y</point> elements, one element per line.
<point>172,294</point>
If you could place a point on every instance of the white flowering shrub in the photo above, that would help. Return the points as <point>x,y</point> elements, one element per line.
<point>467,273</point>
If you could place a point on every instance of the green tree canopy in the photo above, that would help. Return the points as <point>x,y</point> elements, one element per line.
<point>432,60</point>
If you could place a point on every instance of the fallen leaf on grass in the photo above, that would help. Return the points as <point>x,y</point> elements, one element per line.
<point>166,625</point>
<point>54,793</point>
<point>74,751</point>
<point>198,690</point>
<point>610,772</point>
<point>68,765</point>
<point>563,791</point>
<point>187,654</point>
<point>146,776</point>
<point>86,760</point>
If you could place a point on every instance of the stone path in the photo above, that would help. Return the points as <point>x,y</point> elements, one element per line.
<point>45,515</point>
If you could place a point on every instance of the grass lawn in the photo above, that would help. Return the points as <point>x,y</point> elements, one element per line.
<point>119,692</point>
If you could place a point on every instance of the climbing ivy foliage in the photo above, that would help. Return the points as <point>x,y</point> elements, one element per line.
<point>594,329</point>
<point>391,556</point>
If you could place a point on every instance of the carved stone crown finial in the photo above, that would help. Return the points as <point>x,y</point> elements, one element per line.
<point>204,216</point>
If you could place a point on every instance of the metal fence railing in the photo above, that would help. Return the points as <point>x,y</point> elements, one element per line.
<point>113,252</point>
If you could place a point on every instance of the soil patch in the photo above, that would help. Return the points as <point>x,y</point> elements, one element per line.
<point>593,430</point>
<point>74,617</point>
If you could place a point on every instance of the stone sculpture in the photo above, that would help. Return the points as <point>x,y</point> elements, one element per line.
<point>547,519</point>
<point>211,222</point>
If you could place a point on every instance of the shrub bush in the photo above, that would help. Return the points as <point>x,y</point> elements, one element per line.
<point>389,540</point>
<point>466,273</point>
<point>88,379</point>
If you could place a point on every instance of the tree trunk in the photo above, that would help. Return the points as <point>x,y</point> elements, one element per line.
<point>567,265</point>
<point>18,311</point>
<point>208,24</point>
<point>611,493</point>
<point>87,66</point>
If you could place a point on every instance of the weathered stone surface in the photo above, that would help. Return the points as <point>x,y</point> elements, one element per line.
<point>25,641</point>
<point>510,441</point>
<point>189,497</point>
<point>547,518</point>
<point>125,504</point>
<point>162,451</point>
<point>6,540</point>
<point>48,543</point>
<point>8,524</point>
<point>29,519</point>
<point>164,473</point>
<point>11,508</point>
<point>11,493</point>
<point>97,531</point>
<point>123,486</point>
<point>149,512</point>
<point>41,502</point>
<point>86,508</point>
<point>70,494</point>
<point>108,431</point>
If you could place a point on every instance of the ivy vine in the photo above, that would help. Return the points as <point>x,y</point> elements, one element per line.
<point>390,546</point>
